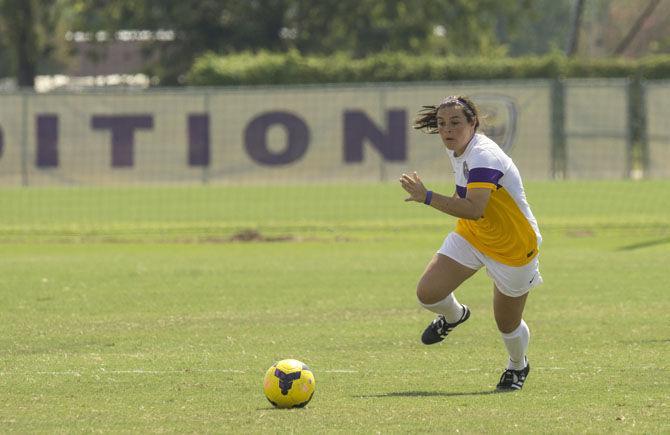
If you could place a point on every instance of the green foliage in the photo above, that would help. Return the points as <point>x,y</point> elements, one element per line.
<point>294,68</point>
<point>27,42</point>
<point>544,28</point>
<point>358,28</point>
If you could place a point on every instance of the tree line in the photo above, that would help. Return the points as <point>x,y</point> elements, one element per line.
<point>32,31</point>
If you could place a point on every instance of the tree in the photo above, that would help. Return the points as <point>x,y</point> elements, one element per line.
<point>221,26</point>
<point>362,27</point>
<point>356,27</point>
<point>575,28</point>
<point>5,57</point>
<point>19,24</point>
<point>635,29</point>
<point>28,27</point>
<point>540,30</point>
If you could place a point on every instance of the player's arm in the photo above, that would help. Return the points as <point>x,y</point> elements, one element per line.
<point>470,207</point>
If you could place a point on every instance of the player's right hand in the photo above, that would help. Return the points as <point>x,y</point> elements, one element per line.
<point>414,186</point>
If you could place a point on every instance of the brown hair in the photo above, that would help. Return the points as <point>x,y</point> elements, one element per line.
<point>426,119</point>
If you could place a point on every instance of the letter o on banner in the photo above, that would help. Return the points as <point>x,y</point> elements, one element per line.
<point>297,138</point>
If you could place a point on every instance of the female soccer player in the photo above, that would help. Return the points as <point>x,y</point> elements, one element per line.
<point>496,229</point>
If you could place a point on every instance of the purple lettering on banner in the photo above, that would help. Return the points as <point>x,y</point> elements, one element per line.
<point>297,138</point>
<point>198,140</point>
<point>47,141</point>
<point>123,134</point>
<point>358,127</point>
<point>2,142</point>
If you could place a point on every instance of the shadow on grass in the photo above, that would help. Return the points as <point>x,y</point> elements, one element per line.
<point>428,394</point>
<point>650,341</point>
<point>646,244</point>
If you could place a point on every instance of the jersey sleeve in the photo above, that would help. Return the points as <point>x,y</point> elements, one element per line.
<point>485,172</point>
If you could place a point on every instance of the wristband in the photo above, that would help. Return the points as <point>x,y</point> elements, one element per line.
<point>429,197</point>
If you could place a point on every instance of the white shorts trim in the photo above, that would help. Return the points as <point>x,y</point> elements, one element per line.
<point>511,281</point>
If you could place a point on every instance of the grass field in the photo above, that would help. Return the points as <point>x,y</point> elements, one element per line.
<point>138,310</point>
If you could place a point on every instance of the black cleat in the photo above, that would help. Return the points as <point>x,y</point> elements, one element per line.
<point>440,328</point>
<point>512,380</point>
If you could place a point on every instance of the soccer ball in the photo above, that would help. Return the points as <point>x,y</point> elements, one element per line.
<point>289,384</point>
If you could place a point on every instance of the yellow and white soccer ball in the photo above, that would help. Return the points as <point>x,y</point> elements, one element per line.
<point>289,384</point>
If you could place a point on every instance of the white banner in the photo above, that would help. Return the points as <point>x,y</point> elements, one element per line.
<point>353,133</point>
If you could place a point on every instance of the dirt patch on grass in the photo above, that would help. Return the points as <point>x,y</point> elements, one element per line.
<point>579,233</point>
<point>254,236</point>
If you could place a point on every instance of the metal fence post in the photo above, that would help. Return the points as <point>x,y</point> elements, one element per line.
<point>558,148</point>
<point>638,147</point>
<point>205,168</point>
<point>24,138</point>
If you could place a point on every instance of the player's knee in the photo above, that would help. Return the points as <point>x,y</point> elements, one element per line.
<point>421,293</point>
<point>507,325</point>
<point>428,295</point>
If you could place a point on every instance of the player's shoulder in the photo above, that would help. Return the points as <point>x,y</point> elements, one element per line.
<point>486,153</point>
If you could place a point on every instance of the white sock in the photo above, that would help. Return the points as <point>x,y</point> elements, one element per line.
<point>449,307</point>
<point>516,343</point>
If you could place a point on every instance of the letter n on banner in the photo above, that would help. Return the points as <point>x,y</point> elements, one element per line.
<point>358,127</point>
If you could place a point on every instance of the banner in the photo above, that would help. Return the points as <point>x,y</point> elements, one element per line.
<point>354,133</point>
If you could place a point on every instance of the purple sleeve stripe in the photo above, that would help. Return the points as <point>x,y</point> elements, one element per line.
<point>484,175</point>
<point>461,191</point>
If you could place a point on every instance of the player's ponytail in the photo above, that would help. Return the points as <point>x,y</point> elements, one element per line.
<point>426,119</point>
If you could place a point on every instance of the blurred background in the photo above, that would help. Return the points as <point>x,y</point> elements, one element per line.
<point>69,43</point>
<point>101,96</point>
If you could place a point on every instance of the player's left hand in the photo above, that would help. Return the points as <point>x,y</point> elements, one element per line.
<point>414,186</point>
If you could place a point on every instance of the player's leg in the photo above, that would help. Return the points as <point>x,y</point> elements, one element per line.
<point>510,291</point>
<point>508,311</point>
<point>435,293</point>
<point>441,277</point>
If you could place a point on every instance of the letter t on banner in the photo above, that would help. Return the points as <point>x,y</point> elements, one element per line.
<point>123,134</point>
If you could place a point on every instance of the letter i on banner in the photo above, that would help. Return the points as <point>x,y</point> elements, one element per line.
<point>47,141</point>
<point>198,140</point>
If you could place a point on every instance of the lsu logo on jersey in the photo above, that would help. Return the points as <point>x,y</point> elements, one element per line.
<point>466,171</point>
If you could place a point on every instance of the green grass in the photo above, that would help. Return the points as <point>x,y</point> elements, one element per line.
<point>222,210</point>
<point>171,327</point>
